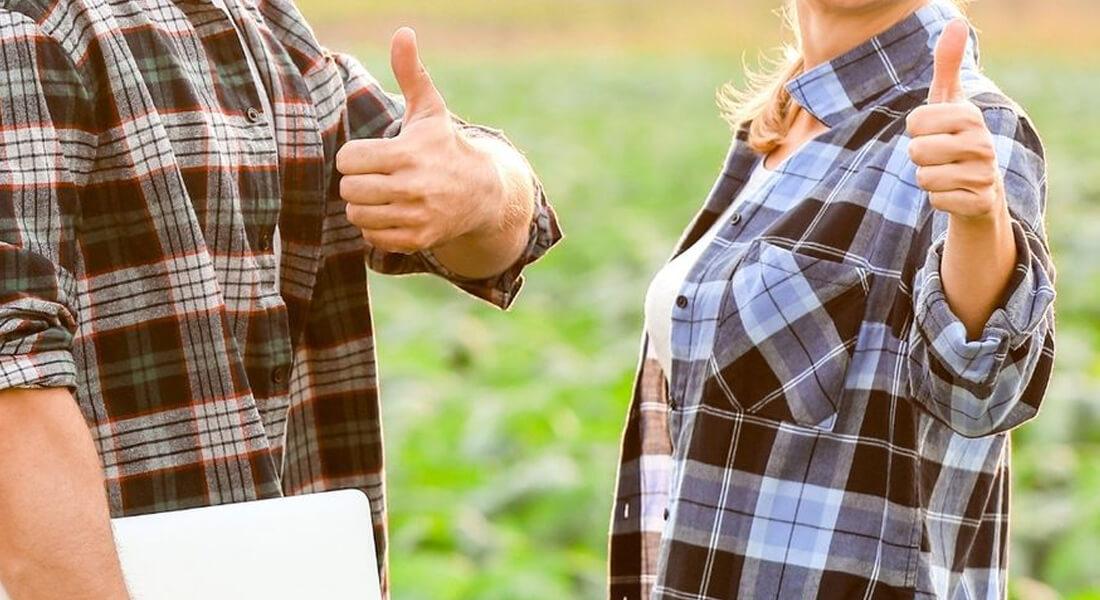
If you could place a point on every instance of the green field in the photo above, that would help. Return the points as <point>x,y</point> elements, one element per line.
<point>502,429</point>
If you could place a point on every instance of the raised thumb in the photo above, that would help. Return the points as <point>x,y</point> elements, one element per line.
<point>422,99</point>
<point>946,74</point>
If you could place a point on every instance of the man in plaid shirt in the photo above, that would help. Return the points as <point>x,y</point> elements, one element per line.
<point>182,266</point>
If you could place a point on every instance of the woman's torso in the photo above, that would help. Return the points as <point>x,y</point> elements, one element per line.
<point>783,455</point>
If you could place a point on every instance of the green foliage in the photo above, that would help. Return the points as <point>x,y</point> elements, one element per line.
<point>502,429</point>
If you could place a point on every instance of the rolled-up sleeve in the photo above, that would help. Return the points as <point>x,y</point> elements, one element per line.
<point>373,113</point>
<point>39,95</point>
<point>997,381</point>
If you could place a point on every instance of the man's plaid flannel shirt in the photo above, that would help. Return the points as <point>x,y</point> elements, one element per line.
<point>140,188</point>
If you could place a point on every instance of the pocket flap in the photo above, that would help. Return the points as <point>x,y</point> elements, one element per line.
<point>786,335</point>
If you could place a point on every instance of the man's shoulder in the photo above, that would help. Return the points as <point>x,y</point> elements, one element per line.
<point>34,11</point>
<point>71,25</point>
<point>33,21</point>
<point>66,21</point>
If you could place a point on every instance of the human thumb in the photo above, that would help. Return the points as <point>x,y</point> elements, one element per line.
<point>946,74</point>
<point>422,99</point>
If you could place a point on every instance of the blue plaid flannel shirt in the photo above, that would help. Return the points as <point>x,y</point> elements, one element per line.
<point>828,430</point>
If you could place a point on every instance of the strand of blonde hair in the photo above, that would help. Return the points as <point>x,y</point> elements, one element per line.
<point>764,103</point>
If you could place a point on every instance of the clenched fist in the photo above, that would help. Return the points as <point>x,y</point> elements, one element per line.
<point>951,145</point>
<point>429,185</point>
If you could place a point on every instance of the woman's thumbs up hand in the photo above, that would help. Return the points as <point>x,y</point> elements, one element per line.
<point>951,145</point>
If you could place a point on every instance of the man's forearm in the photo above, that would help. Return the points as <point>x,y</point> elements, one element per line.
<point>484,254</point>
<point>55,533</point>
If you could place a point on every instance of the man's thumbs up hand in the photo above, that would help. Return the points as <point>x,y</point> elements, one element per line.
<point>422,99</point>
<point>429,185</point>
<point>951,144</point>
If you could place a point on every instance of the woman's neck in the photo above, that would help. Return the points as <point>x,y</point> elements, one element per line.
<point>829,31</point>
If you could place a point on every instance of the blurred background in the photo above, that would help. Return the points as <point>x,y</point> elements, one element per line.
<point>502,430</point>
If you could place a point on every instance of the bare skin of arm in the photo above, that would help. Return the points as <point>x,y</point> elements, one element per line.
<point>55,534</point>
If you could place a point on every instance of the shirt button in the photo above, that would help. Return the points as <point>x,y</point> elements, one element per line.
<point>279,375</point>
<point>253,114</point>
<point>682,301</point>
<point>265,242</point>
<point>735,219</point>
<point>667,514</point>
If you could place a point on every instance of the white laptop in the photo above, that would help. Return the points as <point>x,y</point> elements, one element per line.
<point>312,546</point>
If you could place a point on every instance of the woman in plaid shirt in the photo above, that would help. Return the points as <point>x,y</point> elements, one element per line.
<point>850,327</point>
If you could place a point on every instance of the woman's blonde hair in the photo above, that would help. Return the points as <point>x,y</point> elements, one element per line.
<point>764,102</point>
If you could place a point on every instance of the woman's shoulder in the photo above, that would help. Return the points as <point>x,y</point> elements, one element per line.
<point>1003,114</point>
<point>983,91</point>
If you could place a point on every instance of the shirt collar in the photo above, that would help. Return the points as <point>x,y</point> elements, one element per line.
<point>900,58</point>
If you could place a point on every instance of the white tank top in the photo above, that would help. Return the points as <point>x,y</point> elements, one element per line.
<point>666,285</point>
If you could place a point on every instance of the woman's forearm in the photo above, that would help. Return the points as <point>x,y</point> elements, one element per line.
<point>55,534</point>
<point>977,264</point>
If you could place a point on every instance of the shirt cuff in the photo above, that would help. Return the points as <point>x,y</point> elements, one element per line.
<point>52,369</point>
<point>503,289</point>
<point>36,346</point>
<point>1028,298</point>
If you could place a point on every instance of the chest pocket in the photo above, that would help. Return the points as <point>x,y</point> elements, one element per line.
<point>786,333</point>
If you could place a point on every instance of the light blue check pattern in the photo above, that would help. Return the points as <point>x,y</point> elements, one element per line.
<point>794,523</point>
<point>827,429</point>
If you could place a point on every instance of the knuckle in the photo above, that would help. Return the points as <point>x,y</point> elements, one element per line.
<point>913,121</point>
<point>923,177</point>
<point>422,239</point>
<point>399,189</point>
<point>992,175</point>
<point>982,204</point>
<point>980,174</point>
<point>354,215</point>
<point>347,187</point>
<point>346,157</point>
<point>414,189</point>
<point>403,155</point>
<point>983,149</point>
<point>420,215</point>
<point>918,151</point>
